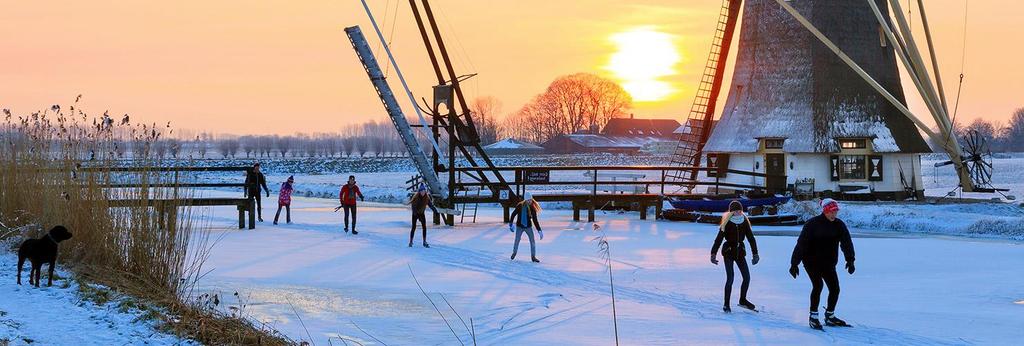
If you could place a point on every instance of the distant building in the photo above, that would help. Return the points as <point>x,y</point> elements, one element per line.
<point>689,132</point>
<point>620,135</point>
<point>512,146</point>
<point>632,127</point>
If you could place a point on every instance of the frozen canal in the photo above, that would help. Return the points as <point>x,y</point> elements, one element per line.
<point>907,290</point>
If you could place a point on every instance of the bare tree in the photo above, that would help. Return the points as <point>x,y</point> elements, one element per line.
<point>569,104</point>
<point>485,113</point>
<point>228,147</point>
<point>283,144</point>
<point>1014,132</point>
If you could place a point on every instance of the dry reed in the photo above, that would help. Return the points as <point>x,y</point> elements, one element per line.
<point>53,165</point>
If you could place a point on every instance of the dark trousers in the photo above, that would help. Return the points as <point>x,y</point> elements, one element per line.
<point>288,213</point>
<point>259,204</point>
<point>350,209</point>
<point>829,278</point>
<point>744,271</point>
<point>422,218</point>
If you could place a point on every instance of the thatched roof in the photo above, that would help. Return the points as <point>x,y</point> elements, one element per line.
<point>787,84</point>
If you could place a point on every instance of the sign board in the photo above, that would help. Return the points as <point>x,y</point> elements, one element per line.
<point>537,176</point>
<point>503,195</point>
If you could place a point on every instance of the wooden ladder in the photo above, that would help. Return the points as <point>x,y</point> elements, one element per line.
<point>699,121</point>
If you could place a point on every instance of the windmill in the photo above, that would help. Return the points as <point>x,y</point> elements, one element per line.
<point>835,94</point>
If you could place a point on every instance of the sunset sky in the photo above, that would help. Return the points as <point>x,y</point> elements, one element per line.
<point>286,66</point>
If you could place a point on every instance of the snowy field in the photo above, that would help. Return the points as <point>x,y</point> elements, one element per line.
<point>314,282</point>
<point>60,314</point>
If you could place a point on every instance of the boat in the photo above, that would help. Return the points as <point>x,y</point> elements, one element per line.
<point>722,205</point>
<point>779,219</point>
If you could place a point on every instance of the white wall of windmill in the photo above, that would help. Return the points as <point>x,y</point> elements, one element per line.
<point>817,167</point>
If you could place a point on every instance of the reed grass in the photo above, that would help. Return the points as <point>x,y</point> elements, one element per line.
<point>53,164</point>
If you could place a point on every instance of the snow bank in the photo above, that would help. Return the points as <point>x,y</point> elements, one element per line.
<point>982,220</point>
<point>60,315</point>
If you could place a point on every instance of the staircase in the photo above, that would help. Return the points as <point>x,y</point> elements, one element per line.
<point>420,159</point>
<point>699,121</point>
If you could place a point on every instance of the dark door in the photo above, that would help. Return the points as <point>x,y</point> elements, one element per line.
<point>775,168</point>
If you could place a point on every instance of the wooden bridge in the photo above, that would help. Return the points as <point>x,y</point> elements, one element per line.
<point>167,208</point>
<point>598,186</point>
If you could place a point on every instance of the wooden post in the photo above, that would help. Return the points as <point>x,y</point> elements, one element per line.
<point>663,181</point>
<point>658,207</point>
<point>252,214</point>
<point>241,216</point>
<point>172,218</point>
<point>505,216</point>
<point>643,210</point>
<point>575,211</point>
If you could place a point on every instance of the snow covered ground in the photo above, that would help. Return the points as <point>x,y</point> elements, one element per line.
<point>60,315</point>
<point>314,282</point>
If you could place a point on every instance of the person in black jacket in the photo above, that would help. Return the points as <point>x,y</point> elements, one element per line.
<point>818,248</point>
<point>523,220</point>
<point>254,179</point>
<point>734,228</point>
<point>419,202</point>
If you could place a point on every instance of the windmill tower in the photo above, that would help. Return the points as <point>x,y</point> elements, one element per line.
<point>795,109</point>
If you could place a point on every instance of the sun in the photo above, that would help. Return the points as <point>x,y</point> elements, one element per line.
<point>644,56</point>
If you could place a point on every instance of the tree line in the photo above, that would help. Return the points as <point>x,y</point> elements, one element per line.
<point>1000,136</point>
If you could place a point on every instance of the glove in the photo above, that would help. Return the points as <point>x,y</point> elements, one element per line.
<point>511,228</point>
<point>541,234</point>
<point>714,260</point>
<point>268,194</point>
<point>362,199</point>
<point>850,268</point>
<point>794,271</point>
<point>755,259</point>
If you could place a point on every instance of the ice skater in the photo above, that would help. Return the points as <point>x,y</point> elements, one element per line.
<point>524,219</point>
<point>284,199</point>
<point>254,179</point>
<point>348,195</point>
<point>734,228</point>
<point>419,202</point>
<point>818,248</point>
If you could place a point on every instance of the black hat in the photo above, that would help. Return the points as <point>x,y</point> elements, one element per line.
<point>735,206</point>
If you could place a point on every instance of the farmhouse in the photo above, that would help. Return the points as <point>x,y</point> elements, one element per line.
<point>620,135</point>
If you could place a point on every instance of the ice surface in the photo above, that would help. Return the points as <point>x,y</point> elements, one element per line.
<point>907,290</point>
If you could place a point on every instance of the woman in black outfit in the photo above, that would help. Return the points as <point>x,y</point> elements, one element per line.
<point>734,227</point>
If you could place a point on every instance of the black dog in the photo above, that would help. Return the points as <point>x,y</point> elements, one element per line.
<point>39,251</point>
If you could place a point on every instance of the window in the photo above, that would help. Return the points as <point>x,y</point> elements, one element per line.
<point>853,143</point>
<point>774,143</point>
<point>853,167</point>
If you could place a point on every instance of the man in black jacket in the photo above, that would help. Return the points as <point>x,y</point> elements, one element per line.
<point>818,248</point>
<point>254,179</point>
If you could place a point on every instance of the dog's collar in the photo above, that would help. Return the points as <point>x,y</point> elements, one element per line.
<point>49,236</point>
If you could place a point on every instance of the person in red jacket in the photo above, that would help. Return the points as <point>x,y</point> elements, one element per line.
<point>348,195</point>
